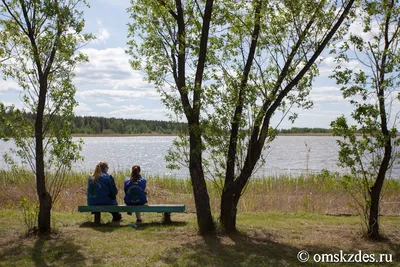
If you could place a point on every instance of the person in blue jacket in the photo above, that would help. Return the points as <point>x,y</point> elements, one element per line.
<point>135,190</point>
<point>102,189</point>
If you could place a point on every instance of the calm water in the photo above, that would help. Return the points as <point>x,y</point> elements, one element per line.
<point>286,155</point>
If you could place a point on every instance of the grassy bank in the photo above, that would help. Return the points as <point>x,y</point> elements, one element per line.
<point>319,194</point>
<point>264,239</point>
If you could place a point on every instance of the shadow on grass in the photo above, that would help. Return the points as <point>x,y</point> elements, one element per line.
<point>45,251</point>
<point>60,252</point>
<point>112,226</point>
<point>253,249</point>
<point>103,227</point>
<point>238,249</point>
<point>146,225</point>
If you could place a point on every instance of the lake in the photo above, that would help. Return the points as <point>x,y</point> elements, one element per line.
<point>286,155</point>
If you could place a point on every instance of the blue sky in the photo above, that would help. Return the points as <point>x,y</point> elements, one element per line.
<point>107,86</point>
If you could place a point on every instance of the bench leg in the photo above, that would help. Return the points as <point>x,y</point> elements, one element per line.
<point>166,218</point>
<point>97,216</point>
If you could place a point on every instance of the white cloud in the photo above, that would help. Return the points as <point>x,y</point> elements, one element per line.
<point>82,108</point>
<point>108,83</point>
<point>328,64</point>
<point>9,85</point>
<point>326,94</point>
<point>119,3</point>
<point>108,67</point>
<point>356,28</point>
<point>139,111</point>
<point>104,105</point>
<point>108,76</point>
<point>102,34</point>
<point>116,95</point>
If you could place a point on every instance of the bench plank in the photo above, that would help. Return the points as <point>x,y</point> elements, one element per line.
<point>166,208</point>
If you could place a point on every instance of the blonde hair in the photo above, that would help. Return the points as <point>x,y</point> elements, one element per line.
<point>135,174</point>
<point>100,167</point>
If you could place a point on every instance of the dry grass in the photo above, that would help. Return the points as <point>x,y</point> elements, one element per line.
<point>316,194</point>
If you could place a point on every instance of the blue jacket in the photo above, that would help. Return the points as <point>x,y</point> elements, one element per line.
<point>103,192</point>
<point>135,192</point>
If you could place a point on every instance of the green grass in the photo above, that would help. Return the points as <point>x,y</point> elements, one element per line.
<point>263,239</point>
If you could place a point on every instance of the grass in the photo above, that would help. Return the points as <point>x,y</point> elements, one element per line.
<point>277,218</point>
<point>263,239</point>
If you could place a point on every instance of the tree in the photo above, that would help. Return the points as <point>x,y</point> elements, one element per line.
<point>260,60</point>
<point>174,40</point>
<point>371,89</point>
<point>41,38</point>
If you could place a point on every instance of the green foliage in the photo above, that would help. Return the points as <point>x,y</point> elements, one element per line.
<point>40,42</point>
<point>370,91</point>
<point>30,210</point>
<point>229,67</point>
<point>269,86</point>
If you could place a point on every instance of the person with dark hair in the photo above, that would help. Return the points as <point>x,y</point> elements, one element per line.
<point>102,190</point>
<point>135,190</point>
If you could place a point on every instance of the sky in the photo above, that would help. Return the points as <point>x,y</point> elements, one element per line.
<point>107,86</point>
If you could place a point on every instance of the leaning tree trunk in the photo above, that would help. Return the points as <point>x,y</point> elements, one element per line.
<point>45,201</point>
<point>232,191</point>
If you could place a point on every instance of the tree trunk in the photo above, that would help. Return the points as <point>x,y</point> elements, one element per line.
<point>228,210</point>
<point>45,214</point>
<point>231,196</point>
<point>201,198</point>
<point>375,193</point>
<point>45,200</point>
<point>373,223</point>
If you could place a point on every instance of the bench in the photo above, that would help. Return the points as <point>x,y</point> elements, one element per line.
<point>166,209</point>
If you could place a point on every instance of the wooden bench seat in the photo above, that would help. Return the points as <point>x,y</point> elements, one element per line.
<point>166,209</point>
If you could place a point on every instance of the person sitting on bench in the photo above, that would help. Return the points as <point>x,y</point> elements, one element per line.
<point>102,190</point>
<point>135,190</point>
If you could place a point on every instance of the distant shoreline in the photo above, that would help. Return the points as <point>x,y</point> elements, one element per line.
<point>120,135</point>
<point>155,134</point>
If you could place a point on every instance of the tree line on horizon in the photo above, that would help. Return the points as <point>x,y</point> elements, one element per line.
<point>109,126</point>
<point>102,125</point>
